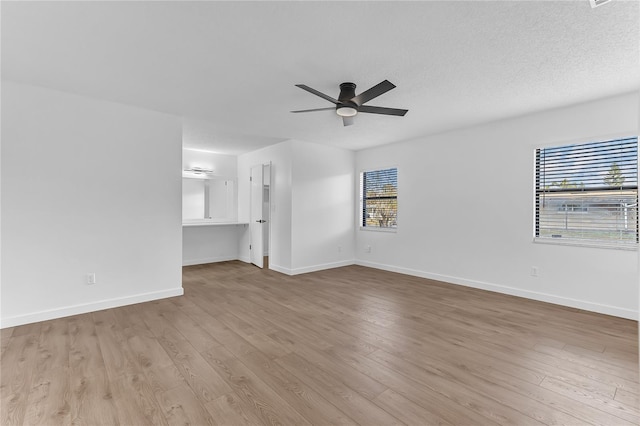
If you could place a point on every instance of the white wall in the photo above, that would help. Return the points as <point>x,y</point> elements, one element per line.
<point>87,186</point>
<point>221,164</point>
<point>466,211</point>
<point>312,205</point>
<point>323,207</point>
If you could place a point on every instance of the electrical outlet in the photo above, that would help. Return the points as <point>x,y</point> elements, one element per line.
<point>534,271</point>
<point>91,278</point>
<point>367,249</point>
<point>339,249</point>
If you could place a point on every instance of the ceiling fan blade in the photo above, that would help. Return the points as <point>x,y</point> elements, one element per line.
<point>315,92</point>
<point>316,109</point>
<point>382,110</point>
<point>347,121</point>
<point>374,92</point>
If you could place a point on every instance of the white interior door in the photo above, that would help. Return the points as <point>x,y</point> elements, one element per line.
<point>257,221</point>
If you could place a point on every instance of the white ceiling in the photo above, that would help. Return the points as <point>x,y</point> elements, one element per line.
<point>229,68</point>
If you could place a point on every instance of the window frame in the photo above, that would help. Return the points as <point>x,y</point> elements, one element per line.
<point>361,198</point>
<point>577,242</point>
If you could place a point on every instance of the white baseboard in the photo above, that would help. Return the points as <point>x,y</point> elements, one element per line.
<point>280,269</point>
<point>321,267</point>
<point>312,268</point>
<point>528,294</point>
<point>189,262</point>
<point>88,307</point>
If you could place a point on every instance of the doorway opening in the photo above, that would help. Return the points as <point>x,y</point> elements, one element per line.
<point>260,225</point>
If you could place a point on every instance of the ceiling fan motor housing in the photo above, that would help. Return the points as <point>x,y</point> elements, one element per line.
<point>347,92</point>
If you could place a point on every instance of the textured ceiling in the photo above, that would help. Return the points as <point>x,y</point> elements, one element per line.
<point>229,68</point>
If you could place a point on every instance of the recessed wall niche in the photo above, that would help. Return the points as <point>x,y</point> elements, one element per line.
<point>208,199</point>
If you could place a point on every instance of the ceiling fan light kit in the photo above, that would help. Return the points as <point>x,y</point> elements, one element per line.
<point>346,111</point>
<point>349,104</point>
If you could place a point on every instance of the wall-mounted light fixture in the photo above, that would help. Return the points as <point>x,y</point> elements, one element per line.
<point>198,171</point>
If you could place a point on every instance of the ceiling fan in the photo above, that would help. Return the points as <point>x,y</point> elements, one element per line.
<point>348,104</point>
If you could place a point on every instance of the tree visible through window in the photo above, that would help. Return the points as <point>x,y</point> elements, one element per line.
<point>588,192</point>
<point>379,198</point>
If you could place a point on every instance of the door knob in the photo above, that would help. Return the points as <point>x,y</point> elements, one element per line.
<point>261,221</point>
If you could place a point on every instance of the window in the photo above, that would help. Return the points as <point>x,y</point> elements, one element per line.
<point>588,193</point>
<point>379,199</point>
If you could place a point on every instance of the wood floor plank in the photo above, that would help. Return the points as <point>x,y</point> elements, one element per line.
<point>547,364</point>
<point>465,358</point>
<point>136,402</point>
<point>266,404</point>
<point>254,336</point>
<point>349,345</point>
<point>49,399</point>
<point>231,410</point>
<point>307,402</point>
<point>53,345</point>
<point>558,402</point>
<point>405,410</point>
<point>32,329</point>
<point>85,356</point>
<point>630,399</point>
<point>190,329</point>
<point>197,310</point>
<point>16,373</point>
<point>205,383</point>
<point>346,399</point>
<point>181,407</point>
<point>431,401</point>
<point>158,367</point>
<point>489,382</point>
<point>236,324</point>
<point>5,336</point>
<point>118,359</point>
<point>337,334</point>
<point>611,406</point>
<point>91,399</point>
<point>267,345</point>
<point>250,313</point>
<point>459,392</point>
<point>341,371</point>
<point>625,360</point>
<point>291,324</point>
<point>591,363</point>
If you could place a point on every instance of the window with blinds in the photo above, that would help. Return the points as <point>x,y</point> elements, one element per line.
<point>379,199</point>
<point>588,193</point>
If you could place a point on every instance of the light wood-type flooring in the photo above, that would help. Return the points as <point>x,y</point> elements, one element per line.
<point>345,346</point>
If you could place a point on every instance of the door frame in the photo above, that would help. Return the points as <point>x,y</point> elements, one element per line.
<point>268,166</point>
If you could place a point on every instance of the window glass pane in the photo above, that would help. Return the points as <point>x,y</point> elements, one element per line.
<point>379,198</point>
<point>588,192</point>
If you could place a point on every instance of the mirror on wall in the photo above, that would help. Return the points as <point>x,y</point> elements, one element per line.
<point>211,199</point>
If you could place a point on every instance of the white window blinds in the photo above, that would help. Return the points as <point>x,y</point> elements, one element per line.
<point>588,193</point>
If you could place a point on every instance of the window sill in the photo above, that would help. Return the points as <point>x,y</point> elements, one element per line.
<point>374,229</point>
<point>578,243</point>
